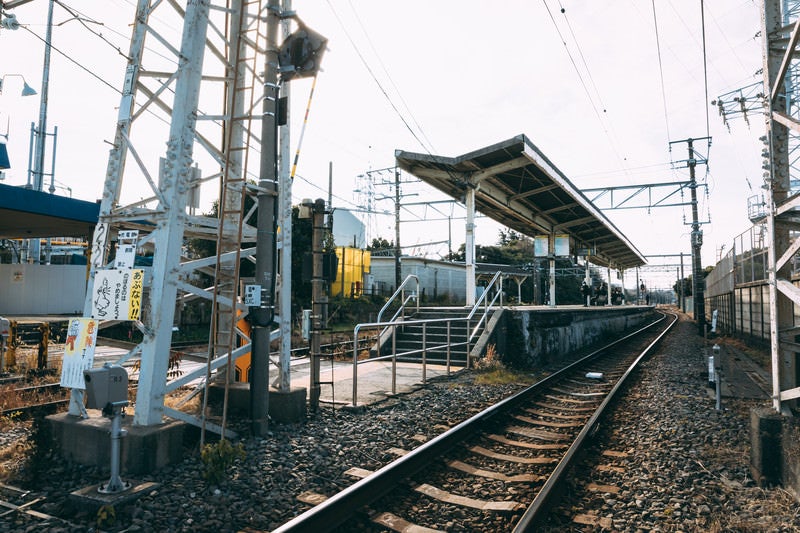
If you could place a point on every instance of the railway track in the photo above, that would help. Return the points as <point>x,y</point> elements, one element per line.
<point>32,398</point>
<point>16,510</point>
<point>498,470</point>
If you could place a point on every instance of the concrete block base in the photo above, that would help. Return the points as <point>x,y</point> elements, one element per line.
<point>287,406</point>
<point>144,449</point>
<point>283,406</point>
<point>765,446</point>
<point>90,500</point>
<point>238,398</point>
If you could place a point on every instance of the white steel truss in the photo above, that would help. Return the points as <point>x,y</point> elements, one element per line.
<point>781,33</point>
<point>194,82</point>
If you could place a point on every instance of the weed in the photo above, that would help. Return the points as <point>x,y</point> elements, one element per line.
<point>106,516</point>
<point>217,457</point>
<point>491,370</point>
<point>490,361</point>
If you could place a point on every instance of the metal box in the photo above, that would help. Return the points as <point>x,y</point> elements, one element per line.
<point>106,385</point>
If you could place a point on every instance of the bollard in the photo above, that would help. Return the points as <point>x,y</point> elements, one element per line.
<point>717,359</point>
<point>107,389</point>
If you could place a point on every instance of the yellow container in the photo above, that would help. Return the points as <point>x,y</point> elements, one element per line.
<point>352,266</point>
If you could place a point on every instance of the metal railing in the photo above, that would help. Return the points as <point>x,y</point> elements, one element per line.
<point>497,283</point>
<point>398,320</point>
<point>401,292</point>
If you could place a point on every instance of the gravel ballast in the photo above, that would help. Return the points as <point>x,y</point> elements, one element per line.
<point>686,466</point>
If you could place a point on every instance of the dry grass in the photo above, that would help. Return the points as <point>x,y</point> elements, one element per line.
<point>13,455</point>
<point>491,370</point>
<point>181,401</point>
<point>767,510</point>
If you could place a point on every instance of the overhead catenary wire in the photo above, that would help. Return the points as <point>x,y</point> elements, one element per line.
<point>580,78</point>
<point>430,146</point>
<point>661,71</point>
<point>375,78</point>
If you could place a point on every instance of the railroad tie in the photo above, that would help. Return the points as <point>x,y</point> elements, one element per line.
<point>455,499</point>
<point>548,423</point>
<point>490,474</point>
<point>513,458</point>
<point>395,523</point>
<point>529,445</point>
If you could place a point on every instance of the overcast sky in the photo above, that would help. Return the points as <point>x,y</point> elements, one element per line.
<point>449,77</point>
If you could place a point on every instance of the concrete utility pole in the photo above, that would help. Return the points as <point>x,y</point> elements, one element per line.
<point>285,222</point>
<point>698,280</point>
<point>697,243</point>
<point>262,316</point>
<point>317,298</point>
<point>40,132</point>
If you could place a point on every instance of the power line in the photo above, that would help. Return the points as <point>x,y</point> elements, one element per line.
<point>705,73</point>
<point>81,18</point>
<point>572,60</point>
<point>104,82</point>
<point>375,79</point>
<point>580,76</point>
<point>391,80</point>
<point>661,70</point>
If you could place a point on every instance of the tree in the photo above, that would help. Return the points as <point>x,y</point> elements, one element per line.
<point>379,244</point>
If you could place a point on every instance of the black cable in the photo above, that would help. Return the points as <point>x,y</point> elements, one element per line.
<point>104,82</point>
<point>374,78</point>
<point>397,90</point>
<point>661,70</point>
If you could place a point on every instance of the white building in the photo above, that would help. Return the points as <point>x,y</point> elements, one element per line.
<point>437,279</point>
<point>348,230</point>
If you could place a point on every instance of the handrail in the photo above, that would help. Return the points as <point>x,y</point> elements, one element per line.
<point>486,306</point>
<point>475,307</point>
<point>401,292</point>
<point>496,281</point>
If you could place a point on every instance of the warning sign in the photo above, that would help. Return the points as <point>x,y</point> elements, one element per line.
<point>117,294</point>
<point>78,352</point>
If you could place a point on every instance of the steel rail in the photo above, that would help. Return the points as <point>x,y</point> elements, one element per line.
<point>538,507</point>
<point>334,511</point>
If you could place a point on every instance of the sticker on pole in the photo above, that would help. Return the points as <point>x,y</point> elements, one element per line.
<point>252,295</point>
<point>117,294</point>
<point>78,352</point>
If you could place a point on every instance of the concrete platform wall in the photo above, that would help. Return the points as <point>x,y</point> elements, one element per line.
<point>532,337</point>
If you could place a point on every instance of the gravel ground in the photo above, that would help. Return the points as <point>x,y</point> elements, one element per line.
<point>685,465</point>
<point>686,468</point>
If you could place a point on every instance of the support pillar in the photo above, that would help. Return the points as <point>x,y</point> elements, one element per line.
<point>552,263</point>
<point>469,246</point>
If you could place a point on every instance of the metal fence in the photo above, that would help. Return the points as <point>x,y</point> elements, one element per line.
<point>737,288</point>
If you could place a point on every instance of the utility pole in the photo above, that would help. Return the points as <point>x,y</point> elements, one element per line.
<point>698,281</point>
<point>262,316</point>
<point>317,298</point>
<point>697,243</point>
<point>41,130</point>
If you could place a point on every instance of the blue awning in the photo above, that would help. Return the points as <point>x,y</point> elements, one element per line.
<point>26,213</point>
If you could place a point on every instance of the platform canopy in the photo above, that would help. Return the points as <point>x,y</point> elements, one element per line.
<point>516,185</point>
<point>26,214</point>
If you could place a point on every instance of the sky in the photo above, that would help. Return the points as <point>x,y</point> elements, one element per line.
<point>603,88</point>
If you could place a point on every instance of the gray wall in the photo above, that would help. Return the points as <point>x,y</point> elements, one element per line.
<point>27,289</point>
<point>530,339</point>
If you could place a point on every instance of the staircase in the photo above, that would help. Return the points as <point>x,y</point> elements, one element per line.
<point>409,338</point>
<point>440,335</point>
